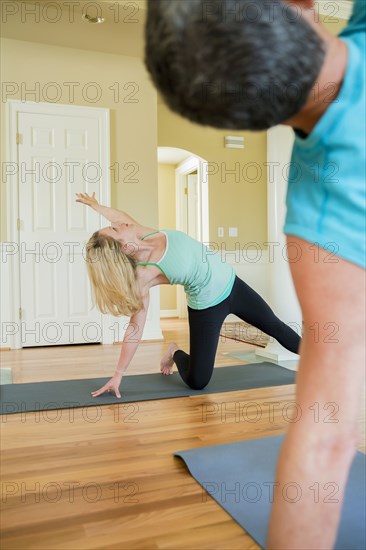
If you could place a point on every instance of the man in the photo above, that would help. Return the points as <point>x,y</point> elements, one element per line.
<point>253,64</point>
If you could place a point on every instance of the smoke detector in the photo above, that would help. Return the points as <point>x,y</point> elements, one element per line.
<point>91,19</point>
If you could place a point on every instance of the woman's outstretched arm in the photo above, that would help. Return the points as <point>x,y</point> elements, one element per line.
<point>110,214</point>
<point>130,344</point>
<point>133,337</point>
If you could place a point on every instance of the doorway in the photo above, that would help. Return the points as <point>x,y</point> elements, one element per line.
<point>57,150</point>
<point>191,202</point>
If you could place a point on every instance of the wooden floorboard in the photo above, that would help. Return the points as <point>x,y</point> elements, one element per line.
<point>106,477</point>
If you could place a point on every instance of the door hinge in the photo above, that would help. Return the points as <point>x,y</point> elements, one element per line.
<point>19,139</point>
<point>186,190</point>
<point>20,313</point>
<point>18,224</point>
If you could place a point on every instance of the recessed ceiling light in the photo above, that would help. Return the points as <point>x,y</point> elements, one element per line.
<point>90,19</point>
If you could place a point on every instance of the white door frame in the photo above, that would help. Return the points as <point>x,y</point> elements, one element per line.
<point>193,164</point>
<point>14,107</point>
<point>280,141</point>
<point>189,165</point>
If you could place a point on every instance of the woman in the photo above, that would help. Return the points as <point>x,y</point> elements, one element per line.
<point>126,259</point>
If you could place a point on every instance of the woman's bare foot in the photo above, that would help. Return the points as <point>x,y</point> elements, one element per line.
<point>166,364</point>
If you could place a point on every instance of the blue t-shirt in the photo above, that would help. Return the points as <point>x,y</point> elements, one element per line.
<point>326,196</point>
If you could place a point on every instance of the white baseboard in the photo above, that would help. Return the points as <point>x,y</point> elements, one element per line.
<point>8,324</point>
<point>164,313</point>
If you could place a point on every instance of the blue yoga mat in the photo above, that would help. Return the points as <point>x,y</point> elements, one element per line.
<point>240,477</point>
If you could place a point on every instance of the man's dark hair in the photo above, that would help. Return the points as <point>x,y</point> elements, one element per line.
<point>243,64</point>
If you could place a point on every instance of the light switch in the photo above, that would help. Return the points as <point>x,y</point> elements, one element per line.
<point>220,231</point>
<point>233,231</point>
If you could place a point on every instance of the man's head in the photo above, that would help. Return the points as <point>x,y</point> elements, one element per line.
<point>242,64</point>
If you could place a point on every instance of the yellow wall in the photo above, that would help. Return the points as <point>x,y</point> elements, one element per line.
<point>167,220</point>
<point>234,200</point>
<point>333,25</point>
<point>133,125</point>
<point>167,198</point>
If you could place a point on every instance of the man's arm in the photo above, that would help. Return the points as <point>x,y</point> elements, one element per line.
<point>319,447</point>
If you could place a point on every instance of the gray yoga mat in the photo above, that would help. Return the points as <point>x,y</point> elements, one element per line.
<point>67,394</point>
<point>250,356</point>
<point>240,477</point>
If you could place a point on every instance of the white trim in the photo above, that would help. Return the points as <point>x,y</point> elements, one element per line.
<point>8,327</point>
<point>165,313</point>
<point>280,141</point>
<point>341,9</point>
<point>152,334</point>
<point>204,198</point>
<point>13,108</point>
<point>12,235</point>
<point>186,167</point>
<point>274,350</point>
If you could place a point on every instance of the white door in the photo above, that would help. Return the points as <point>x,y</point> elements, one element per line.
<point>192,205</point>
<point>189,209</point>
<point>58,156</point>
<point>189,224</point>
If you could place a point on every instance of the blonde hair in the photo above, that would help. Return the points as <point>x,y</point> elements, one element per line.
<point>112,275</point>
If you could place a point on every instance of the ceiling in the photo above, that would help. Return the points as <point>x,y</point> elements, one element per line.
<point>61,24</point>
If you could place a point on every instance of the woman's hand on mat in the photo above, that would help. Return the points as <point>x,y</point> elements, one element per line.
<point>85,199</point>
<point>112,385</point>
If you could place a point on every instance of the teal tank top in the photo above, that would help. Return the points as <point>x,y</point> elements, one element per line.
<point>206,278</point>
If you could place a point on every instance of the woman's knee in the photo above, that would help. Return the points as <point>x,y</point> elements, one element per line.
<point>199,380</point>
<point>197,385</point>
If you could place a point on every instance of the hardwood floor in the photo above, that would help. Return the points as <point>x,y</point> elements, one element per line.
<point>105,477</point>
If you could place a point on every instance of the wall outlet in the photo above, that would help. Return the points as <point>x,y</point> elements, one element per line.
<point>233,231</point>
<point>220,231</point>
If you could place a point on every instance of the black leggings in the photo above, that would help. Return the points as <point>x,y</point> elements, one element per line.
<point>205,325</point>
